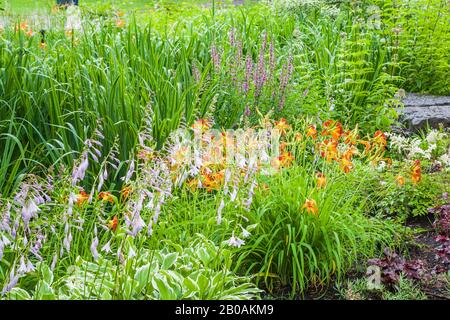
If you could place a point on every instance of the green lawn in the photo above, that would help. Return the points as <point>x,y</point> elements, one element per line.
<point>28,6</point>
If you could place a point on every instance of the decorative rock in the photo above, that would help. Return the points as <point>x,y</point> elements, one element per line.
<point>422,109</point>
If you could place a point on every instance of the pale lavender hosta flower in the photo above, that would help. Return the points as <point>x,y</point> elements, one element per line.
<point>157,212</point>
<point>233,195</point>
<point>245,233</point>
<point>15,227</point>
<point>67,241</point>
<point>94,245</point>
<point>6,219</point>
<point>80,171</point>
<point>130,171</point>
<point>219,211</point>
<point>5,240</point>
<point>25,267</point>
<point>2,249</point>
<point>37,246</point>
<point>135,224</point>
<point>235,241</point>
<point>13,280</point>
<point>29,210</point>
<point>150,228</point>
<point>131,253</point>
<point>107,247</point>
<point>120,256</point>
<point>72,199</point>
<point>101,179</point>
<point>54,261</point>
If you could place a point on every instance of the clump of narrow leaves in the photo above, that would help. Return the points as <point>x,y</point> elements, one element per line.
<point>393,265</point>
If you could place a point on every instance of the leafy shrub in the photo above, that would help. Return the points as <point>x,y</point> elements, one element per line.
<point>196,271</point>
<point>405,289</point>
<point>419,32</point>
<point>409,200</point>
<point>297,248</point>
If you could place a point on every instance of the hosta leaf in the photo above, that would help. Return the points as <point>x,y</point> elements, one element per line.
<point>169,260</point>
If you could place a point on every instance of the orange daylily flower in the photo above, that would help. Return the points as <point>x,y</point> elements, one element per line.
<point>416,172</point>
<point>311,206</point>
<point>346,165</point>
<point>23,26</point>
<point>400,180</point>
<point>112,224</point>
<point>82,197</point>
<point>192,184</point>
<point>311,132</point>
<point>29,33</point>
<point>351,136</point>
<point>125,192</point>
<point>69,33</point>
<point>321,180</point>
<point>265,187</point>
<point>282,126</point>
<point>210,180</point>
<point>283,146</point>
<point>332,128</point>
<point>286,159</point>
<point>106,196</point>
<point>366,145</point>
<point>201,125</point>
<point>379,138</point>
<point>120,23</point>
<point>42,45</point>
<point>298,137</point>
<point>350,153</point>
<point>328,149</point>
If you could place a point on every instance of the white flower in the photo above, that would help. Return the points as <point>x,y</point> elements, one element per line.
<point>219,212</point>
<point>381,166</point>
<point>445,159</point>
<point>107,247</point>
<point>235,241</point>
<point>94,248</point>
<point>131,253</point>
<point>433,136</point>
<point>245,233</point>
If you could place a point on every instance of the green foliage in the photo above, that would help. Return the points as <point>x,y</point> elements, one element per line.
<point>291,247</point>
<point>410,200</point>
<point>195,271</point>
<point>419,30</point>
<point>358,289</point>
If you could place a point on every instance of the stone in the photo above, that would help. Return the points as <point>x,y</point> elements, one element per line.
<point>420,110</point>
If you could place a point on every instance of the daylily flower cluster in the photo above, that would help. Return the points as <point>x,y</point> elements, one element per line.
<point>198,159</point>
